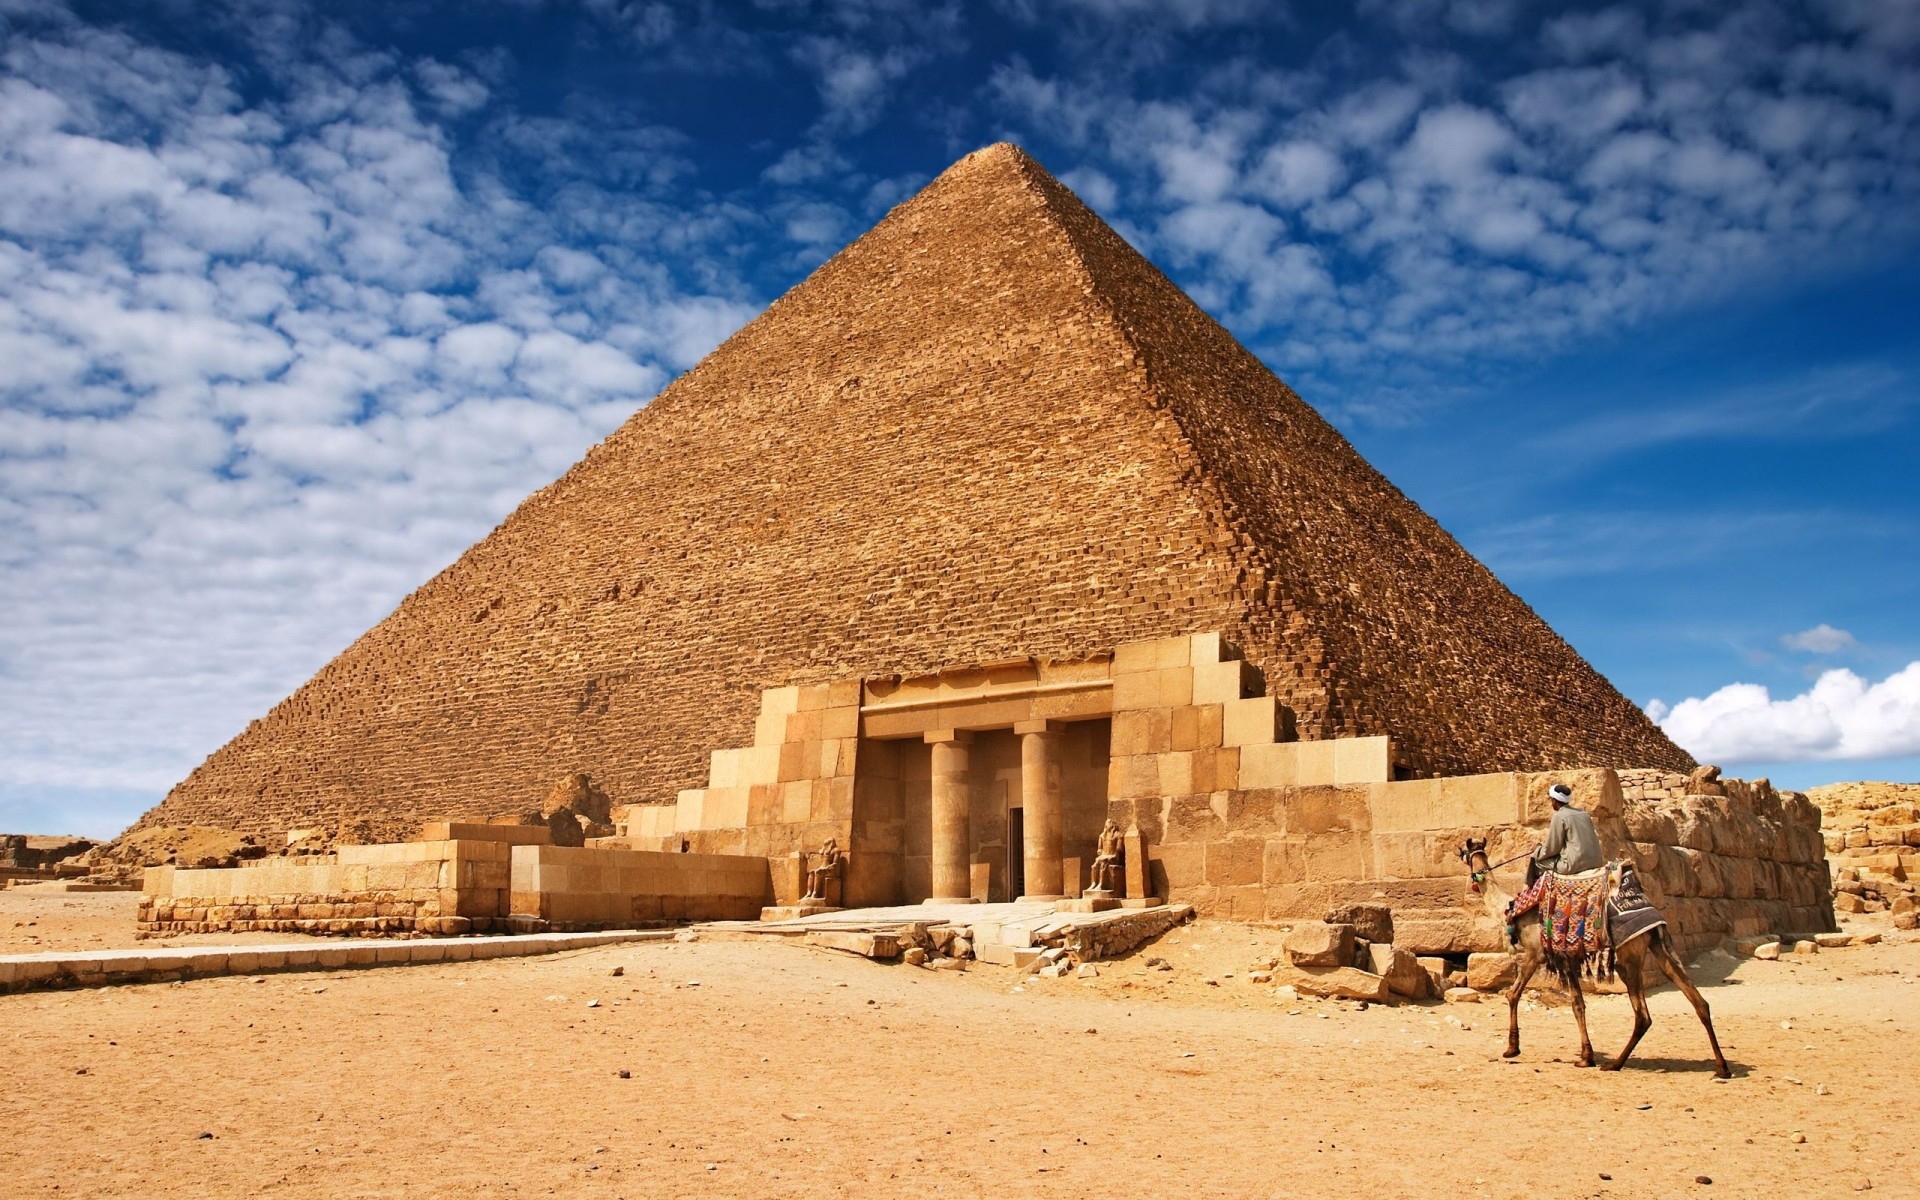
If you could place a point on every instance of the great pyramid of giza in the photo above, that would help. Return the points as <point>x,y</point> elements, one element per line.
<point>987,429</point>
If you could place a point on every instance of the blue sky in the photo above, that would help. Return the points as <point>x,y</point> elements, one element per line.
<point>297,301</point>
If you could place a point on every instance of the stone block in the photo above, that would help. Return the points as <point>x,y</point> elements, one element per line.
<point>1254,721</point>
<point>1313,763</point>
<point>1284,861</point>
<point>1403,973</point>
<point>1373,922</point>
<point>1410,806</point>
<point>1270,765</point>
<point>1362,760</point>
<point>865,944</point>
<point>1176,773</point>
<point>1318,944</point>
<point>1346,983</point>
<point>1332,857</point>
<point>1222,682</point>
<point>1490,972</point>
<point>1478,800</point>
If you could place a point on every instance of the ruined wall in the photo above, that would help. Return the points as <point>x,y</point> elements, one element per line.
<point>415,887</point>
<point>1744,861</point>
<point>985,430</point>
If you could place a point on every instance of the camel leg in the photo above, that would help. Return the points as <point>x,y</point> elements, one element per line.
<point>1675,970</point>
<point>1626,964</point>
<point>1523,971</point>
<point>1580,1019</point>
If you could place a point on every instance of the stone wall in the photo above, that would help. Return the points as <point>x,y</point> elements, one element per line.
<point>1744,861</point>
<point>573,887</point>
<point>986,430</point>
<point>455,886</point>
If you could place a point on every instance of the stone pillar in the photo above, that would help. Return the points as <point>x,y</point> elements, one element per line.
<point>1045,819</point>
<point>952,800</point>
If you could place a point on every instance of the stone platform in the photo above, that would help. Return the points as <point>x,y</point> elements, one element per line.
<point>96,968</point>
<point>1007,934</point>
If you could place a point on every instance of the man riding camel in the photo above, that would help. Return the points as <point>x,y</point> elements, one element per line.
<point>1571,846</point>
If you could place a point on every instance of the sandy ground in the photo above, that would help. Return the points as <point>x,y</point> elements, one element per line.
<point>770,1069</point>
<point>35,920</point>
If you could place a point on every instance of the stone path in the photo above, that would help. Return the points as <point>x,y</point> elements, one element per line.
<point>96,968</point>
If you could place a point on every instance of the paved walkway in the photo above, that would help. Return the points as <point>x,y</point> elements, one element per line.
<point>95,968</point>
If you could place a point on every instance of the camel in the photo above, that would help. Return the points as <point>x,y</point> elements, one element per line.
<point>1655,945</point>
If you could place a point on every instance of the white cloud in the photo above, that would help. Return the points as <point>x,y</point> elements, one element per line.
<point>272,361</point>
<point>1821,639</point>
<point>1842,716</point>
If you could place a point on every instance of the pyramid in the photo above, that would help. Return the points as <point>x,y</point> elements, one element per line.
<point>987,429</point>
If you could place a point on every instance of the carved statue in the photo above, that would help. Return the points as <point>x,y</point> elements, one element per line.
<point>828,863</point>
<point>1107,875</point>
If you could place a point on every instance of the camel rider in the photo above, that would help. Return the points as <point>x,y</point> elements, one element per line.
<point>1571,846</point>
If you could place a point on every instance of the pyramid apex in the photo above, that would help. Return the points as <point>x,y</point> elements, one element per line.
<point>1000,155</point>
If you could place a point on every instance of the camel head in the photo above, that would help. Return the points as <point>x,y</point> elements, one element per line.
<point>1473,852</point>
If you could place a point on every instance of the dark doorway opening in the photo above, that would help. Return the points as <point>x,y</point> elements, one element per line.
<point>1016,854</point>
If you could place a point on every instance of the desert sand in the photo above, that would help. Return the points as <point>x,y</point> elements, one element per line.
<point>766,1068</point>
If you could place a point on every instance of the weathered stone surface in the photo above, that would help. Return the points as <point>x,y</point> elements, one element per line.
<point>1403,973</point>
<point>1373,922</point>
<point>867,945</point>
<point>805,505</point>
<point>1345,983</point>
<point>1319,945</point>
<point>1490,972</point>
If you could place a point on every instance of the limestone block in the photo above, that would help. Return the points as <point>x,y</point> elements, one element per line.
<point>1196,727</point>
<point>1318,944</point>
<point>1270,765</point>
<point>1284,861</point>
<point>1254,721</point>
<point>1222,682</point>
<point>1410,805</point>
<point>840,723</point>
<point>1403,973</point>
<point>724,808</point>
<point>1207,648</point>
<point>1316,810</point>
<point>1130,736</point>
<point>1313,763</point>
<point>1236,862</point>
<point>1447,932</point>
<point>1490,972</point>
<point>1185,863</point>
<point>780,701</point>
<point>1362,760</point>
<point>1346,983</point>
<point>1176,773</point>
<point>1133,658</point>
<point>1372,922</point>
<point>797,760</point>
<point>804,726</point>
<point>1476,800</point>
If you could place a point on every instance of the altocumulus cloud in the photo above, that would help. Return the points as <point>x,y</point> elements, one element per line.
<point>1842,716</point>
<point>275,358</point>
<point>1394,209</point>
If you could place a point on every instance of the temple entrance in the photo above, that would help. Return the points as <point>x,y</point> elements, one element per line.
<point>1016,853</point>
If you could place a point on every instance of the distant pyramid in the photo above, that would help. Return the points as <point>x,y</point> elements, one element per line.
<point>987,429</point>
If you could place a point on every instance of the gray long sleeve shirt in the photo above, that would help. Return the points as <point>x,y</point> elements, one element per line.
<point>1571,846</point>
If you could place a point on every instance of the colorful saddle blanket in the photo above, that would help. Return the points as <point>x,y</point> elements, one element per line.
<point>1631,913</point>
<point>1573,912</point>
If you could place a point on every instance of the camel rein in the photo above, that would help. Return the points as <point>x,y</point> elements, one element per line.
<point>1479,877</point>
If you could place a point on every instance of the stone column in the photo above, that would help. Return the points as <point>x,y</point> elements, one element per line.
<point>1045,820</point>
<point>952,799</point>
